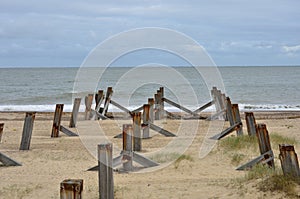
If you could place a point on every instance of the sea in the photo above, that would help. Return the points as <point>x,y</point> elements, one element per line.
<point>254,88</point>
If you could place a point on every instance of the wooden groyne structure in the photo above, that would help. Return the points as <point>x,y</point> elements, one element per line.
<point>143,119</point>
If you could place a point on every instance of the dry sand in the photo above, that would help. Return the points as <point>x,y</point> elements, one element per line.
<point>51,160</point>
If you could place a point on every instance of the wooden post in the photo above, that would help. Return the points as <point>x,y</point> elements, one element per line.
<point>223,100</point>
<point>57,119</point>
<point>88,106</point>
<point>214,94</point>
<point>229,111</point>
<point>161,105</point>
<point>109,93</point>
<point>289,161</point>
<point>221,104</point>
<point>151,104</point>
<point>137,140</point>
<point>1,130</point>
<point>98,97</point>
<point>251,123</point>
<point>71,189</point>
<point>237,119</point>
<point>105,173</point>
<point>146,119</point>
<point>264,142</point>
<point>156,106</point>
<point>127,146</point>
<point>75,111</point>
<point>27,131</point>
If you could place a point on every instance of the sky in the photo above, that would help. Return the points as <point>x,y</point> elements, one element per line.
<point>233,32</point>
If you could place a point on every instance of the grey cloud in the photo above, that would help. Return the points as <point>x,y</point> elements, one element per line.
<point>46,28</point>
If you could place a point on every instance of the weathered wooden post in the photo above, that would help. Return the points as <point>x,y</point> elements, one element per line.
<point>223,100</point>
<point>109,94</point>
<point>156,106</point>
<point>98,97</point>
<point>146,119</point>
<point>151,108</point>
<point>137,140</point>
<point>237,119</point>
<point>71,189</point>
<point>229,111</point>
<point>289,161</point>
<point>161,105</point>
<point>264,143</point>
<point>221,104</point>
<point>214,94</point>
<point>27,131</point>
<point>127,146</point>
<point>251,123</point>
<point>75,111</point>
<point>105,173</point>
<point>57,119</point>
<point>1,130</point>
<point>88,106</point>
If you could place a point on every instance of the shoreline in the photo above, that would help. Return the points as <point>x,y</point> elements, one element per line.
<point>19,115</point>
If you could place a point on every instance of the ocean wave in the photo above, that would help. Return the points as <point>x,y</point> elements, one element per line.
<point>68,108</point>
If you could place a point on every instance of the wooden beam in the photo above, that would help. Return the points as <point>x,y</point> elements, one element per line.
<point>223,100</point>
<point>138,109</point>
<point>255,161</point>
<point>1,130</point>
<point>151,109</point>
<point>27,131</point>
<point>161,130</point>
<point>137,138</point>
<point>172,115</point>
<point>179,106</point>
<point>251,123</point>
<point>143,160</point>
<point>215,116</point>
<point>229,111</point>
<point>67,131</point>
<point>226,132</point>
<point>264,141</point>
<point>99,97</point>
<point>157,98</point>
<point>116,162</point>
<point>105,172</point>
<point>127,147</point>
<point>71,189</point>
<point>205,106</point>
<point>289,160</point>
<point>237,119</point>
<point>161,106</point>
<point>146,120</point>
<point>88,106</point>
<point>57,119</point>
<point>7,161</point>
<point>215,95</point>
<point>75,111</point>
<point>120,107</point>
<point>100,115</point>
<point>108,96</point>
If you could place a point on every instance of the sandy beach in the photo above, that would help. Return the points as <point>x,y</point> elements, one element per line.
<point>52,160</point>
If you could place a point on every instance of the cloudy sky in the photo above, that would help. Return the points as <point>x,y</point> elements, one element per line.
<point>233,32</point>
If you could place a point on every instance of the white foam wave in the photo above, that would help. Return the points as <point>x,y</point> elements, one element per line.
<point>68,108</point>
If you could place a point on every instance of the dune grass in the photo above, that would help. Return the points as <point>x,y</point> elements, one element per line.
<point>234,143</point>
<point>265,178</point>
